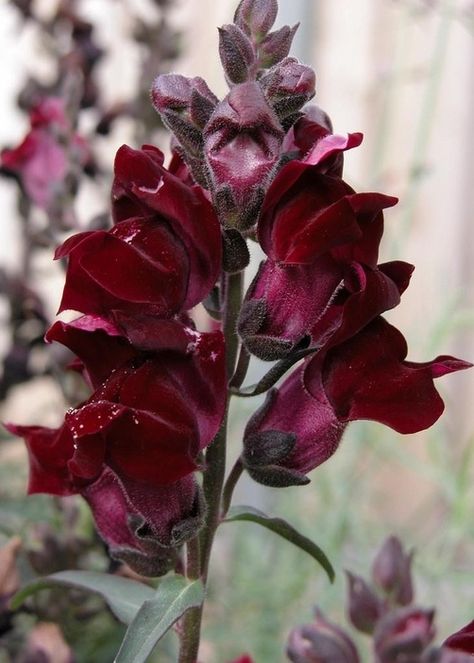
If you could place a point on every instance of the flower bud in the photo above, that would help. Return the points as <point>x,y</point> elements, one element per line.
<point>242,142</point>
<point>288,86</point>
<point>185,105</point>
<point>365,607</point>
<point>256,17</point>
<point>403,633</point>
<point>264,451</point>
<point>276,46</point>
<point>321,642</point>
<point>236,53</point>
<point>391,571</point>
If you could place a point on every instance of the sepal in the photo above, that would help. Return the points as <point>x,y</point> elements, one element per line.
<point>236,256</point>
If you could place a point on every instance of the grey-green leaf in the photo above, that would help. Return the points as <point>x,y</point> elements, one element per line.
<point>283,529</point>
<point>123,596</point>
<point>173,597</point>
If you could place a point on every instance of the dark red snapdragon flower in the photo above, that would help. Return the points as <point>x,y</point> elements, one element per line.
<point>132,447</point>
<point>365,377</point>
<point>322,240</point>
<point>163,254</point>
<point>42,159</point>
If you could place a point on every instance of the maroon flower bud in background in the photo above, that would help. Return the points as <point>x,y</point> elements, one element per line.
<point>364,606</point>
<point>321,642</point>
<point>391,571</point>
<point>365,377</point>
<point>243,659</point>
<point>166,239</point>
<point>256,17</point>
<point>242,142</point>
<point>403,635</point>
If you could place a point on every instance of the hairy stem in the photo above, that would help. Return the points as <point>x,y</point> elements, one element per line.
<point>230,484</point>
<point>214,475</point>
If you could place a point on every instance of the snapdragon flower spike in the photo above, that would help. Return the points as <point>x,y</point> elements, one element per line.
<point>364,377</point>
<point>316,230</point>
<point>163,254</point>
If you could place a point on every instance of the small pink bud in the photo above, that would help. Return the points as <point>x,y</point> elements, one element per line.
<point>391,571</point>
<point>365,607</point>
<point>403,633</point>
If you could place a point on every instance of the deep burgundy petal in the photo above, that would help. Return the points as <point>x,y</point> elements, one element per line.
<point>49,449</point>
<point>97,342</point>
<point>142,187</point>
<point>462,640</point>
<point>367,294</point>
<point>366,377</point>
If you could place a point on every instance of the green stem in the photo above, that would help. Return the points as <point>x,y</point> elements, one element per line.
<point>230,484</point>
<point>241,368</point>
<point>232,304</point>
<point>213,481</point>
<point>191,623</point>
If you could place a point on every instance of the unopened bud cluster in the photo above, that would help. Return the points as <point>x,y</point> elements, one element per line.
<point>401,631</point>
<point>234,146</point>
